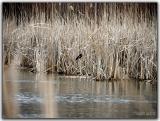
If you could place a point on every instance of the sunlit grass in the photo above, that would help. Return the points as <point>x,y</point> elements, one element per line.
<point>113,48</point>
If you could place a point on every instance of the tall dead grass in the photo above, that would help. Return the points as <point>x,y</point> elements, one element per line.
<point>120,44</point>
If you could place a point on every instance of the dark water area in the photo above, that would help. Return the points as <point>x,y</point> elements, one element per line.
<point>30,95</point>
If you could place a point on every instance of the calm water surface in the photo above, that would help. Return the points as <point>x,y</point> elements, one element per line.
<point>29,95</point>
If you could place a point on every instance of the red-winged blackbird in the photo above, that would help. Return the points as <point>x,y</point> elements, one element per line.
<point>78,57</point>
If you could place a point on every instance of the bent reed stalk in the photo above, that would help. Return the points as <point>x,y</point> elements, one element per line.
<point>121,41</point>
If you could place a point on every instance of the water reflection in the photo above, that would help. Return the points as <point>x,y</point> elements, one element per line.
<point>28,95</point>
<point>10,89</point>
<point>47,93</point>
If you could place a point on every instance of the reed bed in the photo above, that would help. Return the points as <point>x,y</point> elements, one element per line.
<point>120,43</point>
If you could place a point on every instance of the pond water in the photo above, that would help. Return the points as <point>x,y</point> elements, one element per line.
<point>30,95</point>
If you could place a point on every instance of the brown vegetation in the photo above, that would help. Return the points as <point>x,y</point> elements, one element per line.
<point>115,39</point>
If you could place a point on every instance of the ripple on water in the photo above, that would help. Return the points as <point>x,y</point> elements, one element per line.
<point>25,115</point>
<point>28,98</point>
<point>74,98</point>
<point>79,98</point>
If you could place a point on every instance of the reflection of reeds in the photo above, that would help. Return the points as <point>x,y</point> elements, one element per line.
<point>47,92</point>
<point>10,89</point>
<point>120,43</point>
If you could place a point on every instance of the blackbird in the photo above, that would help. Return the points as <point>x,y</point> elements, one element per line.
<point>79,56</point>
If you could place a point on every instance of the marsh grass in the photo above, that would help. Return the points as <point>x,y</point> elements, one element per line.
<point>119,45</point>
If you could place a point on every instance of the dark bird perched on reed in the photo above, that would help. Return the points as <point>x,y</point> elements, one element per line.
<point>79,56</point>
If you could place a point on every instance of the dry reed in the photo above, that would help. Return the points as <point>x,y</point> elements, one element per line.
<point>121,42</point>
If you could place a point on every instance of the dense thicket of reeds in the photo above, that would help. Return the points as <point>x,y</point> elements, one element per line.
<point>114,39</point>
